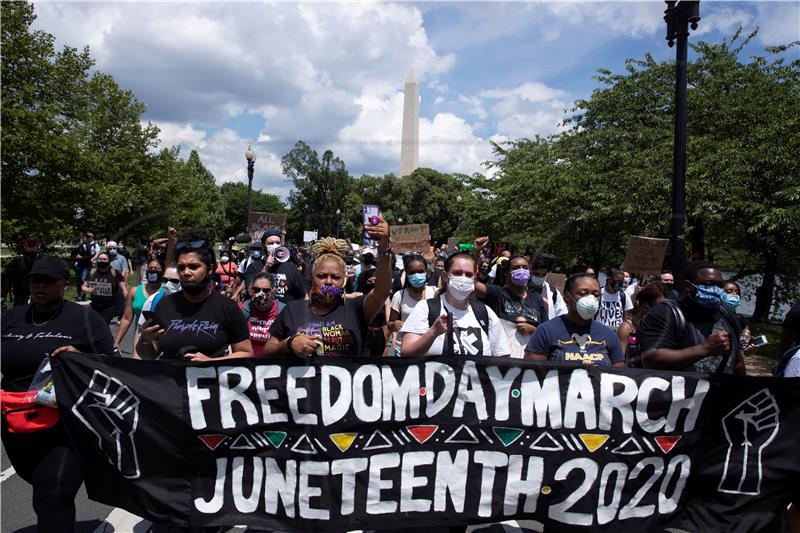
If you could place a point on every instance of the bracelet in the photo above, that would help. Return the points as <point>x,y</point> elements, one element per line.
<point>289,342</point>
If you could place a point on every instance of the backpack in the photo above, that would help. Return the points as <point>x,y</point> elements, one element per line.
<point>780,368</point>
<point>478,308</point>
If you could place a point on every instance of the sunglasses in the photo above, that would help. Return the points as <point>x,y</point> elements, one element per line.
<point>171,280</point>
<point>258,290</point>
<point>191,245</point>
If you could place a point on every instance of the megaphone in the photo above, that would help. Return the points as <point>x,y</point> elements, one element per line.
<point>282,254</point>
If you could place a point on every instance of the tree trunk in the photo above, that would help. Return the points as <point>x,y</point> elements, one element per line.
<point>764,293</point>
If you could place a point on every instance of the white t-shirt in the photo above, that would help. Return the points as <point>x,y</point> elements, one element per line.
<point>468,338</point>
<point>611,312</point>
<point>560,307</point>
<point>403,303</point>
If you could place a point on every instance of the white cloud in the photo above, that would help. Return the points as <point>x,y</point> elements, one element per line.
<point>779,22</point>
<point>526,110</point>
<point>475,105</point>
<point>722,19</point>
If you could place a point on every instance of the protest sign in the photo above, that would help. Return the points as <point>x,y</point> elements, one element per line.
<point>310,236</point>
<point>645,255</point>
<point>410,238</point>
<point>556,280</point>
<point>257,223</point>
<point>452,244</point>
<point>466,247</point>
<point>344,443</point>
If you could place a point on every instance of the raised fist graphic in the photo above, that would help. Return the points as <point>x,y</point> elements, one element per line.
<point>111,411</point>
<point>749,428</point>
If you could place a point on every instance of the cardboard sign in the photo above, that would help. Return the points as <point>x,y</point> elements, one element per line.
<point>310,236</point>
<point>556,280</point>
<point>416,246</point>
<point>258,223</point>
<point>452,244</point>
<point>645,255</point>
<point>410,233</point>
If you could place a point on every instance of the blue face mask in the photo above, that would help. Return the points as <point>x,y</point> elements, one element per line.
<point>256,254</point>
<point>708,296</point>
<point>417,280</point>
<point>732,300</point>
<point>536,281</point>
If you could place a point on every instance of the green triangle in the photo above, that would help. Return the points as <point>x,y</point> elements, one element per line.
<point>276,437</point>
<point>507,435</point>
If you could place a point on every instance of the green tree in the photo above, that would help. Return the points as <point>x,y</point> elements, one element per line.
<point>234,198</point>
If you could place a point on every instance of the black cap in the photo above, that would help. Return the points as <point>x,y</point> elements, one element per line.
<point>50,266</point>
<point>272,232</point>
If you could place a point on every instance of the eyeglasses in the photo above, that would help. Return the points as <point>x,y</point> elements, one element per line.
<point>258,290</point>
<point>192,245</point>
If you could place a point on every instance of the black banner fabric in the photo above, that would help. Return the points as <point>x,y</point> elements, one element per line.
<point>345,443</point>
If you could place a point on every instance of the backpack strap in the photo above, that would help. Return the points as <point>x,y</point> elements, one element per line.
<point>624,298</point>
<point>434,309</point>
<point>680,320</point>
<point>729,316</point>
<point>481,314</point>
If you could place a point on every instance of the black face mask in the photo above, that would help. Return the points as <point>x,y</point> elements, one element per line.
<point>154,276</point>
<point>197,289</point>
<point>615,285</point>
<point>103,266</point>
<point>485,270</point>
<point>668,286</point>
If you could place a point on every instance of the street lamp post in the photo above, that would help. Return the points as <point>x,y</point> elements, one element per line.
<point>338,222</point>
<point>250,155</point>
<point>679,16</point>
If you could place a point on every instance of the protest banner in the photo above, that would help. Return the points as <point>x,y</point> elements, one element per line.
<point>352,443</point>
<point>556,280</point>
<point>410,238</point>
<point>258,223</point>
<point>645,255</point>
<point>310,236</point>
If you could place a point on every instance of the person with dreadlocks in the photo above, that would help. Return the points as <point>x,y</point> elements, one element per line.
<point>327,323</point>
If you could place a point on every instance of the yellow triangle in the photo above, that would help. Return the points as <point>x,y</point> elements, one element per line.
<point>593,441</point>
<point>343,441</point>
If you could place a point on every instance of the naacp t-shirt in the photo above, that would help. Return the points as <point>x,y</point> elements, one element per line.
<point>209,326</point>
<point>342,330</point>
<point>564,341</point>
<point>289,282</point>
<point>24,343</point>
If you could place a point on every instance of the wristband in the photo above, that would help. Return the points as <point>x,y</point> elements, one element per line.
<point>289,342</point>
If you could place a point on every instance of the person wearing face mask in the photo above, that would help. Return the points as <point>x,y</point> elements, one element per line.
<point>552,296</point>
<point>226,272</point>
<point>576,337</point>
<point>106,287</point>
<point>121,264</point>
<point>255,262</point>
<point>615,306</point>
<point>630,285</point>
<point>406,299</point>
<point>696,333</point>
<point>289,282</point>
<point>669,283</point>
<point>83,257</point>
<point>651,295</point>
<point>327,323</point>
<point>14,280</point>
<point>450,323</point>
<point>196,323</point>
<point>484,267</point>
<point>154,273</point>
<point>261,310</point>
<point>520,310</point>
<point>733,299</point>
<point>170,284</point>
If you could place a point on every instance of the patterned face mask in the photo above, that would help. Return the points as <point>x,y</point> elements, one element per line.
<point>708,296</point>
<point>327,295</point>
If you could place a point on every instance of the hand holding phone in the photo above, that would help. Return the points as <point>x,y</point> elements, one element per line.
<point>370,215</point>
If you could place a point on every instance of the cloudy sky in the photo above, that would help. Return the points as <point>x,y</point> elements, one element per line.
<point>218,76</point>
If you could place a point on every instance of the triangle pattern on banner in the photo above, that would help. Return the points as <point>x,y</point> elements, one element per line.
<point>212,441</point>
<point>463,435</point>
<point>507,435</point>
<point>421,433</point>
<point>592,441</point>
<point>667,442</point>
<point>629,446</point>
<point>304,445</point>
<point>343,441</point>
<point>275,438</point>
<point>242,443</point>
<point>546,443</point>
<point>376,441</point>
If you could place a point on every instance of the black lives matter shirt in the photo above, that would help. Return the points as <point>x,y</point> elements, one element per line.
<point>509,306</point>
<point>342,331</point>
<point>24,344</point>
<point>210,326</point>
<point>289,282</point>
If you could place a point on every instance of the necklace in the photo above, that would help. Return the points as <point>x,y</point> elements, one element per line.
<point>51,317</point>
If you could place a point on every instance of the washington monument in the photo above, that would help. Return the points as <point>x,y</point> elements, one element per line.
<point>409,149</point>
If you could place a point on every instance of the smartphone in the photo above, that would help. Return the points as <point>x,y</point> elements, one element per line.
<point>148,314</point>
<point>370,215</point>
<point>758,341</point>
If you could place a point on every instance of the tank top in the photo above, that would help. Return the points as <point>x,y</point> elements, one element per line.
<point>139,299</point>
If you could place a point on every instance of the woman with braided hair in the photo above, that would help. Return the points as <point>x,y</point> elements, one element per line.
<point>327,323</point>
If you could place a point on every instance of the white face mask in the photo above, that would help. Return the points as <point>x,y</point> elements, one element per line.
<point>224,259</point>
<point>626,281</point>
<point>587,306</point>
<point>171,287</point>
<point>460,287</point>
<point>272,247</point>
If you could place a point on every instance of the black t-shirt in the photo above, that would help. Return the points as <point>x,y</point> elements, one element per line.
<point>253,268</point>
<point>24,344</point>
<point>14,276</point>
<point>342,331</point>
<point>289,283</point>
<point>509,306</point>
<point>210,326</point>
<point>105,285</point>
<point>433,278</point>
<point>658,330</point>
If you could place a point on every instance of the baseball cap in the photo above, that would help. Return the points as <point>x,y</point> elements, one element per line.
<point>51,267</point>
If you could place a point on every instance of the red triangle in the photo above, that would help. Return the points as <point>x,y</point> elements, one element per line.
<point>212,441</point>
<point>421,433</point>
<point>668,442</point>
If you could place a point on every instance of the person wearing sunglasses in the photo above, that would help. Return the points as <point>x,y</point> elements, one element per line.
<point>13,280</point>
<point>696,333</point>
<point>261,310</point>
<point>196,323</point>
<point>135,300</point>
